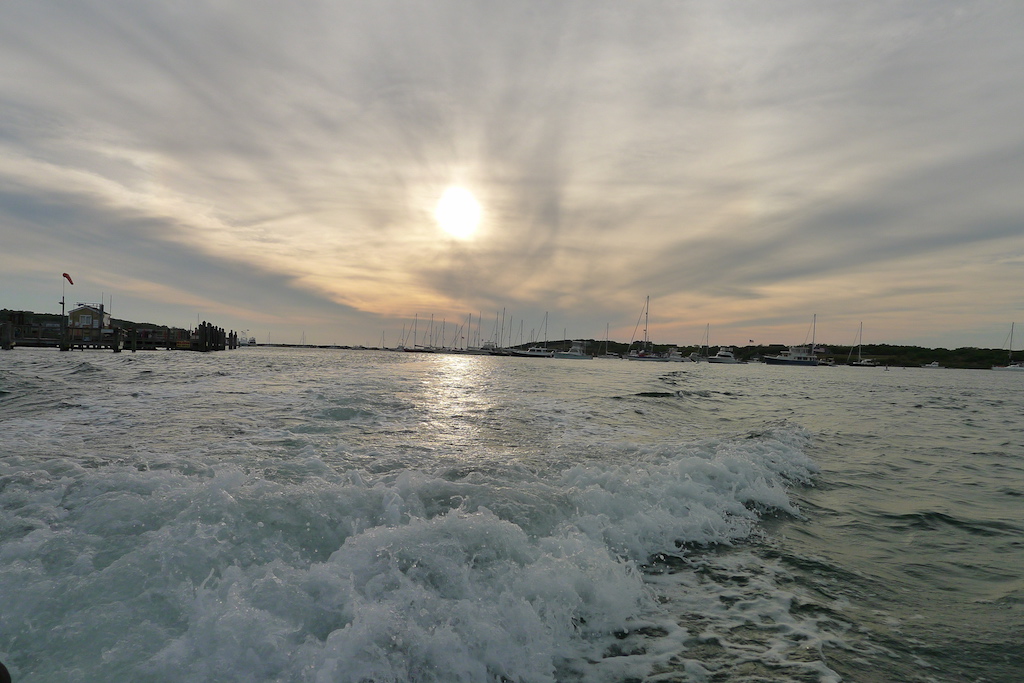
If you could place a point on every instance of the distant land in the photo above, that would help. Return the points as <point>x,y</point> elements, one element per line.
<point>884,354</point>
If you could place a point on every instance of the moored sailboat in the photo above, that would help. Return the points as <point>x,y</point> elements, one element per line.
<point>861,362</point>
<point>1010,363</point>
<point>646,351</point>
<point>607,353</point>
<point>703,353</point>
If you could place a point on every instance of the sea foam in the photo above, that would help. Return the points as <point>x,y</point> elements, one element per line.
<point>216,572</point>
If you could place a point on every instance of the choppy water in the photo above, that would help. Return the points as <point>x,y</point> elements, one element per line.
<point>326,515</point>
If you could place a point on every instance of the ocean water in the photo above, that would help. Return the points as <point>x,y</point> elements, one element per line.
<point>317,515</point>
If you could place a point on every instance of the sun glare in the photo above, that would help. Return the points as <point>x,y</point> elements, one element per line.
<point>458,212</point>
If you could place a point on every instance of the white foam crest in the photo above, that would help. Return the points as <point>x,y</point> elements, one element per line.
<point>461,597</point>
<point>711,494</point>
<point>221,575</point>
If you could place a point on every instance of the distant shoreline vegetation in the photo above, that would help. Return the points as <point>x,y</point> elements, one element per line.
<point>889,355</point>
<point>883,354</point>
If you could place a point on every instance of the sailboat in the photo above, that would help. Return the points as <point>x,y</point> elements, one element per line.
<point>701,356</point>
<point>797,355</point>
<point>1010,364</point>
<point>474,347</point>
<point>646,351</point>
<point>415,348</point>
<point>607,353</point>
<point>861,362</point>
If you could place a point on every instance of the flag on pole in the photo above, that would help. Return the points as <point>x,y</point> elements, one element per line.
<point>69,278</point>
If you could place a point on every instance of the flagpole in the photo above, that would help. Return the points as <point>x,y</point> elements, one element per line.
<point>65,345</point>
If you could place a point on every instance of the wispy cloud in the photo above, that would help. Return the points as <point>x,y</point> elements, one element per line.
<point>742,163</point>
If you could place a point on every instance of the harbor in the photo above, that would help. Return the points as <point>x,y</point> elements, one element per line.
<point>90,327</point>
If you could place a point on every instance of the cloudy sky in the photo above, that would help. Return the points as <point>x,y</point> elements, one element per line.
<point>275,166</point>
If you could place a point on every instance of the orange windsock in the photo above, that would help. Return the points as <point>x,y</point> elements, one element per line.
<point>69,278</point>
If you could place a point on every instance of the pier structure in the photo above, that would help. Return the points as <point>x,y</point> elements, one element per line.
<point>6,336</point>
<point>208,337</point>
<point>90,327</point>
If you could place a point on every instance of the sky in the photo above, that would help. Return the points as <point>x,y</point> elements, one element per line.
<point>751,166</point>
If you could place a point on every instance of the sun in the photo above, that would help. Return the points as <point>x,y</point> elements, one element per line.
<point>458,212</point>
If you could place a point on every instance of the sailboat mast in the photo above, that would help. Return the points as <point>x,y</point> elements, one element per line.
<point>647,310</point>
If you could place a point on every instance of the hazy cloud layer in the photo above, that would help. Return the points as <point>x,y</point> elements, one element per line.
<point>274,166</point>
